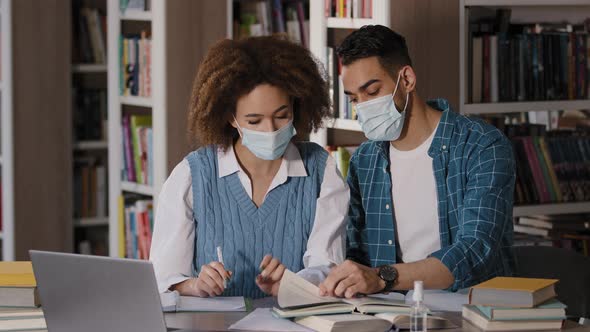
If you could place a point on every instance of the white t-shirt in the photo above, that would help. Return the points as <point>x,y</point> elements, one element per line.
<point>415,201</point>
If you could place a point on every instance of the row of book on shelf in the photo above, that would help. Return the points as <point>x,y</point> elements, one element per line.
<point>551,166</point>
<point>570,231</point>
<point>528,62</point>
<point>90,33</point>
<point>90,114</point>
<point>138,161</point>
<point>136,217</point>
<point>135,62</point>
<point>343,108</point>
<point>134,5</point>
<point>90,188</point>
<point>264,18</point>
<point>348,8</point>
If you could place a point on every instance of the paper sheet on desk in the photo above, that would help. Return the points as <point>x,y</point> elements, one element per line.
<point>262,319</point>
<point>172,301</point>
<point>439,300</point>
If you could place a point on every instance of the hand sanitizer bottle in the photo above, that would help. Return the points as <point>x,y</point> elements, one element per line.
<point>419,313</point>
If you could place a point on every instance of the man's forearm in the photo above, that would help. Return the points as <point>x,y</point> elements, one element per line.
<point>431,271</point>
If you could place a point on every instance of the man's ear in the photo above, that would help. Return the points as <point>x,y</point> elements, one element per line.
<point>408,79</point>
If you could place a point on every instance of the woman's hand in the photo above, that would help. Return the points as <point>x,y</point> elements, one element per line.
<point>270,276</point>
<point>209,283</point>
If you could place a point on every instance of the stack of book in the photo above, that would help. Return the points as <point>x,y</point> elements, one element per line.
<point>515,304</point>
<point>19,300</point>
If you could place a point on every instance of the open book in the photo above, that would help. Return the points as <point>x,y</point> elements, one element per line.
<point>172,301</point>
<point>402,321</point>
<point>298,298</point>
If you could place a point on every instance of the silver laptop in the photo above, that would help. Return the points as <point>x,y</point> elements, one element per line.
<point>97,294</point>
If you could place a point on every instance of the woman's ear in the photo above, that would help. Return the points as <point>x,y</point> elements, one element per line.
<point>232,121</point>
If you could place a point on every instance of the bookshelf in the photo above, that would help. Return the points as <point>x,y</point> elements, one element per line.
<point>6,130</point>
<point>522,11</point>
<point>180,33</point>
<point>90,140</point>
<point>320,26</point>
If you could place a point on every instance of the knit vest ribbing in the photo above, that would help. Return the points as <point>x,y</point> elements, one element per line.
<point>225,216</point>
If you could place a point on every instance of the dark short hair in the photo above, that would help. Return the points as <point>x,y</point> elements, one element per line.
<point>233,68</point>
<point>375,40</point>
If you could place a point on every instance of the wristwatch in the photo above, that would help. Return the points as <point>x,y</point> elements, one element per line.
<point>389,274</point>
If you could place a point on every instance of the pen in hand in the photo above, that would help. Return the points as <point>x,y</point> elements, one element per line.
<point>220,259</point>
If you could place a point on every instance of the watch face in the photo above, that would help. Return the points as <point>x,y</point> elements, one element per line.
<point>387,273</point>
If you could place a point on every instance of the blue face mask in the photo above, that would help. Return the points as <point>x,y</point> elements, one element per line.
<point>265,145</point>
<point>380,119</point>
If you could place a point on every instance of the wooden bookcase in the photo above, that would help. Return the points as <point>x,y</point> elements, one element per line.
<point>181,31</point>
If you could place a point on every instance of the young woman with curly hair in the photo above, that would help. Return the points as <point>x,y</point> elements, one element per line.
<point>270,203</point>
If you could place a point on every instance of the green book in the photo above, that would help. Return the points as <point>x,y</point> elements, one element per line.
<point>550,310</point>
<point>138,121</point>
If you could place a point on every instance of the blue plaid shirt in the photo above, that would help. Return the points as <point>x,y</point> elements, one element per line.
<point>474,171</point>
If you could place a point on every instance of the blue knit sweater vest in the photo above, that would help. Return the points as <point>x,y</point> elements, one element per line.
<point>225,216</point>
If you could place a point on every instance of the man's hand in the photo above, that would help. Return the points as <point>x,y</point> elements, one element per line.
<point>349,279</point>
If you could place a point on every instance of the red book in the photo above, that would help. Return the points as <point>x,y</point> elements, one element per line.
<point>543,190</point>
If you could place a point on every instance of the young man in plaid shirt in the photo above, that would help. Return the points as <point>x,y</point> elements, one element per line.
<point>431,190</point>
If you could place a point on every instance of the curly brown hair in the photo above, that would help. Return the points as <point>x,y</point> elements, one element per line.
<point>233,68</point>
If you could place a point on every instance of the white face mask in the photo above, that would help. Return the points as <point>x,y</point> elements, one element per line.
<point>267,145</point>
<point>380,118</point>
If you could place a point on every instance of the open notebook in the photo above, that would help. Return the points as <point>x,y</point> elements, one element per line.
<point>299,298</point>
<point>172,301</point>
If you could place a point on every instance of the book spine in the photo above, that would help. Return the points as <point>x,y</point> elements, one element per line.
<point>571,67</point>
<point>581,65</point>
<point>122,227</point>
<point>544,169</point>
<point>588,66</point>
<point>127,142</point>
<point>486,69</point>
<point>536,168</point>
<point>279,21</point>
<point>550,169</point>
<point>494,92</point>
<point>477,69</point>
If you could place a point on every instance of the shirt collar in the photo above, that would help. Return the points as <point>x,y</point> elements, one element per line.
<point>292,162</point>
<point>445,129</point>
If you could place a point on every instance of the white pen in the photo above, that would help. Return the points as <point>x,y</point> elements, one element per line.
<point>220,259</point>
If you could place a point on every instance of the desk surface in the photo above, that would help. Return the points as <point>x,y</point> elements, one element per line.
<point>220,321</point>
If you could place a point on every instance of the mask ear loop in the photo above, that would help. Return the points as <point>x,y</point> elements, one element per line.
<point>395,90</point>
<point>237,124</point>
